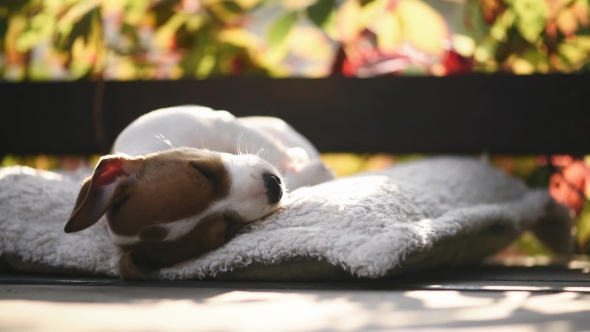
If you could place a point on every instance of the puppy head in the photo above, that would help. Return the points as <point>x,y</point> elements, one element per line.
<point>169,206</point>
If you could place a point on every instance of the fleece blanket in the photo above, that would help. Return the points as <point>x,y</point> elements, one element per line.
<point>439,211</point>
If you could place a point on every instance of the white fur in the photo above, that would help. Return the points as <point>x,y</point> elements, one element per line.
<point>247,195</point>
<point>203,128</point>
<point>123,240</point>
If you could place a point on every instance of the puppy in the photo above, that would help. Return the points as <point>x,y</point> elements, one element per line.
<point>166,204</point>
<point>203,128</point>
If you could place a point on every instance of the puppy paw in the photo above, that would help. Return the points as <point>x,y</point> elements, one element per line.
<point>298,156</point>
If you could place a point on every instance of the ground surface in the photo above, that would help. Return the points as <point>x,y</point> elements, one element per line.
<point>478,298</point>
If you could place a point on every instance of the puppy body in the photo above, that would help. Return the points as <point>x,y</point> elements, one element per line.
<point>163,208</point>
<point>203,128</point>
<point>166,204</point>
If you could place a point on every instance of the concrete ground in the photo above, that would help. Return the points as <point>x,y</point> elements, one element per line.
<point>476,299</point>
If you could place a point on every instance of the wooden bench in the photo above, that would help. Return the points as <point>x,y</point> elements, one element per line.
<point>500,114</point>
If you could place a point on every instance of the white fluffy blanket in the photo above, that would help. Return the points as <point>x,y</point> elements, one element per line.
<point>440,211</point>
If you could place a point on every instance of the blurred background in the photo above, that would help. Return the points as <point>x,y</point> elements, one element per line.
<point>72,40</point>
<point>174,39</point>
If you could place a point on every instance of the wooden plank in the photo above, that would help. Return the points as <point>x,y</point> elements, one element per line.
<point>462,114</point>
<point>113,308</point>
<point>47,118</point>
<point>481,278</point>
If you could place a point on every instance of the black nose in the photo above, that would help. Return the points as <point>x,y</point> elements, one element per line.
<point>274,191</point>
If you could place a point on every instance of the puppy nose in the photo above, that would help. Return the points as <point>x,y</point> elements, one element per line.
<point>274,191</point>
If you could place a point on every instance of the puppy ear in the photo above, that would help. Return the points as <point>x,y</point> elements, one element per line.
<point>96,194</point>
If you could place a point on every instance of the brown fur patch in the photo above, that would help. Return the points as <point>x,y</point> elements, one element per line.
<point>153,233</point>
<point>168,188</point>
<point>210,233</point>
<point>161,188</point>
<point>92,201</point>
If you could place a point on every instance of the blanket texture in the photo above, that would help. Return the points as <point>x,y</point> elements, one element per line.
<point>439,211</point>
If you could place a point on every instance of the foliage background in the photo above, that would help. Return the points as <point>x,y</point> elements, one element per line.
<point>172,39</point>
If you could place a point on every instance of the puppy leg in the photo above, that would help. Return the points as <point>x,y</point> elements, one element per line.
<point>129,269</point>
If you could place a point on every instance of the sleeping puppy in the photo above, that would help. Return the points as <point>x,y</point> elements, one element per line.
<point>178,185</point>
<point>203,128</point>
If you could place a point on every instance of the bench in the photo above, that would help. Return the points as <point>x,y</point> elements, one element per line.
<point>500,114</point>
<point>497,114</point>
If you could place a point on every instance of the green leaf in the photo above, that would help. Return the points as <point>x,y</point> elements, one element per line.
<point>3,29</point>
<point>68,31</point>
<point>279,30</point>
<point>531,245</point>
<point>531,17</point>
<point>15,6</point>
<point>320,12</point>
<point>475,25</point>
<point>366,2</point>
<point>40,29</point>
<point>198,61</point>
<point>206,64</point>
<point>583,226</point>
<point>231,7</point>
<point>502,25</point>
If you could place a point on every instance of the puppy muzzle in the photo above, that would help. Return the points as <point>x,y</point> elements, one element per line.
<point>274,191</point>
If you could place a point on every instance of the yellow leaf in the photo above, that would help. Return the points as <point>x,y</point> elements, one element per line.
<point>75,13</point>
<point>348,21</point>
<point>226,11</point>
<point>135,11</point>
<point>194,22</point>
<point>175,73</point>
<point>581,8</point>
<point>567,22</point>
<point>316,70</point>
<point>126,70</point>
<point>240,37</point>
<point>311,44</point>
<point>575,53</point>
<point>165,34</point>
<point>464,45</point>
<point>297,4</point>
<point>531,18</point>
<point>422,26</point>
<point>109,6</point>
<point>343,164</point>
<point>500,28</point>
<point>247,4</point>
<point>78,49</point>
<point>41,30</point>
<point>206,65</point>
<point>485,49</point>
<point>372,11</point>
<point>388,30</point>
<point>521,66</point>
<point>265,58</point>
<point>584,43</point>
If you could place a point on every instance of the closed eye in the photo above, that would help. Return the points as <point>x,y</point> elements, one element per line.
<point>207,173</point>
<point>118,203</point>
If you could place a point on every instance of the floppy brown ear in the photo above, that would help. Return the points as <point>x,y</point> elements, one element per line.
<point>96,194</point>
